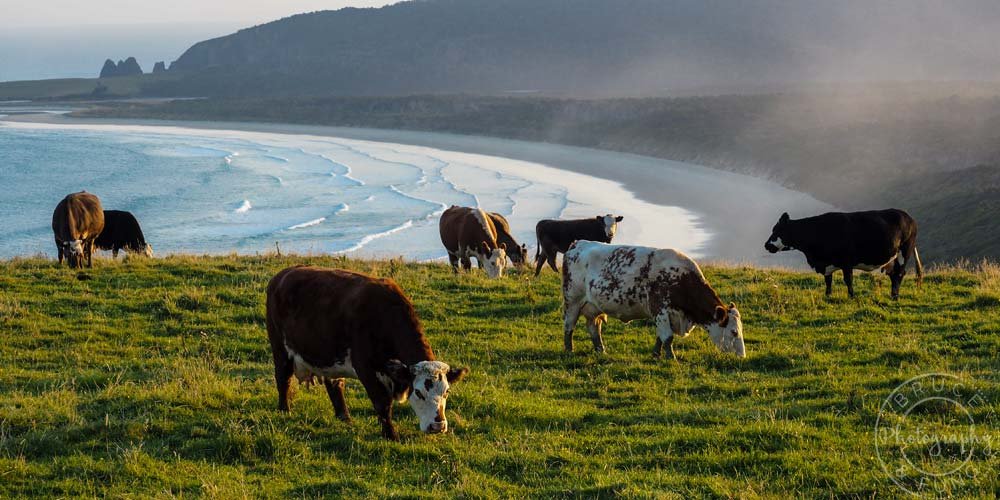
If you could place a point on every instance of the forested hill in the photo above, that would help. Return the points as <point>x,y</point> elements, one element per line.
<point>593,47</point>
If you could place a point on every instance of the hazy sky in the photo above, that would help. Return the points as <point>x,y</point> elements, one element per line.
<point>39,13</point>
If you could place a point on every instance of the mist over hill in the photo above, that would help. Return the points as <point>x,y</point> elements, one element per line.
<point>595,47</point>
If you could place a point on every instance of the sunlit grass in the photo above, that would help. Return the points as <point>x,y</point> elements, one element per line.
<point>154,378</point>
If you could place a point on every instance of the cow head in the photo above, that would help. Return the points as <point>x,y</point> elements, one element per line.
<point>519,255</point>
<point>426,384</point>
<point>610,223</point>
<point>727,330</point>
<point>494,259</point>
<point>148,250</point>
<point>779,236</point>
<point>73,250</point>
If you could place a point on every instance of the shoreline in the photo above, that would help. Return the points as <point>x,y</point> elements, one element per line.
<point>737,211</point>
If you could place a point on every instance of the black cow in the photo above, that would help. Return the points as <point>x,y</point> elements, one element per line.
<point>555,236</point>
<point>122,231</point>
<point>877,239</point>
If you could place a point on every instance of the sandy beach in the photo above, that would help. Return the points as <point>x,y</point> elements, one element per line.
<point>737,211</point>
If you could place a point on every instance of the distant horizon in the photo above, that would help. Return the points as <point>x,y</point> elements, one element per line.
<point>68,13</point>
<point>62,39</point>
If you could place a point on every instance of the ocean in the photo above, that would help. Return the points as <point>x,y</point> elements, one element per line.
<point>216,192</point>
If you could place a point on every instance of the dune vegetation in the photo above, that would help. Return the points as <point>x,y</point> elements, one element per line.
<point>153,378</point>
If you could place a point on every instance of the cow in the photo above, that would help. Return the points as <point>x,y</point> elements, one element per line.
<point>470,232</point>
<point>332,324</point>
<point>122,231</point>
<point>518,254</point>
<point>883,240</point>
<point>76,222</point>
<point>633,282</point>
<point>555,236</point>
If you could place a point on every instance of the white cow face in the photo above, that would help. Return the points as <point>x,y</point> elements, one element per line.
<point>610,225</point>
<point>778,242</point>
<point>429,383</point>
<point>494,260</point>
<point>73,250</point>
<point>727,331</point>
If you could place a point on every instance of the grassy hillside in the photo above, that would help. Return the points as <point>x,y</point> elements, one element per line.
<point>154,378</point>
<point>76,88</point>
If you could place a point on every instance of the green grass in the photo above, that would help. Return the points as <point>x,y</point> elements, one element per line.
<point>123,86</point>
<point>154,378</point>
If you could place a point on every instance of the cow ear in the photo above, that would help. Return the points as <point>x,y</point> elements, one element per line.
<point>721,315</point>
<point>619,218</point>
<point>784,217</point>
<point>398,372</point>
<point>732,305</point>
<point>484,247</point>
<point>456,374</point>
<point>503,246</point>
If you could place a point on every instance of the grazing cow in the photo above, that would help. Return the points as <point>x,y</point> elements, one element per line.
<point>470,232</point>
<point>518,253</point>
<point>631,282</point>
<point>76,222</point>
<point>555,236</point>
<point>331,324</point>
<point>879,239</point>
<point>122,231</point>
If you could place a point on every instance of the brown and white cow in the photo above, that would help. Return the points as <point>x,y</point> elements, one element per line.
<point>518,253</point>
<point>555,236</point>
<point>331,324</point>
<point>470,232</point>
<point>76,223</point>
<point>632,282</point>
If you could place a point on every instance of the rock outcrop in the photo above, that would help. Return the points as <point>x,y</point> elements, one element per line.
<point>159,67</point>
<point>127,67</point>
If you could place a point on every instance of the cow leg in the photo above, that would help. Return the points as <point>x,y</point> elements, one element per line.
<point>664,337</point>
<point>382,402</point>
<point>552,262</point>
<point>59,252</point>
<point>466,262</point>
<point>829,283</point>
<point>114,253</point>
<point>88,248</point>
<point>849,281</point>
<point>594,327</point>
<point>453,259</point>
<point>657,348</point>
<point>283,369</point>
<point>335,389</point>
<point>539,263</point>
<point>571,313</point>
<point>896,276</point>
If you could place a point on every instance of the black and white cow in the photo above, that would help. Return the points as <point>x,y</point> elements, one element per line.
<point>555,236</point>
<point>883,240</point>
<point>631,282</point>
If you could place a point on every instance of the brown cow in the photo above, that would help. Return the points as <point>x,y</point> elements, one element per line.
<point>331,324</point>
<point>77,222</point>
<point>470,232</point>
<point>518,253</point>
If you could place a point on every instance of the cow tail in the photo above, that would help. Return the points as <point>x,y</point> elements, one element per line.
<point>918,265</point>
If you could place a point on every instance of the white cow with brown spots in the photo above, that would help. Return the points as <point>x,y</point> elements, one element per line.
<point>632,282</point>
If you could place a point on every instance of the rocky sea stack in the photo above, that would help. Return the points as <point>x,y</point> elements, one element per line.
<point>127,67</point>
